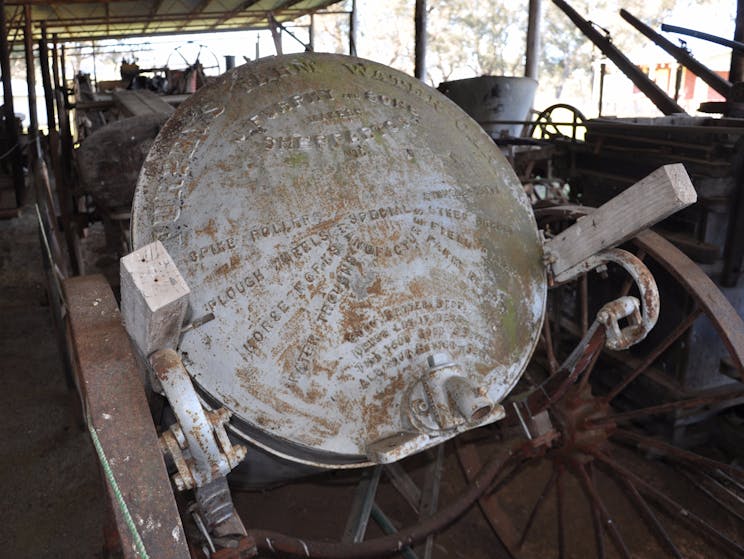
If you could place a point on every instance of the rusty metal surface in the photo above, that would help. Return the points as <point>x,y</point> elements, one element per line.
<point>342,221</point>
<point>202,451</point>
<point>110,159</point>
<point>640,320</point>
<point>111,388</point>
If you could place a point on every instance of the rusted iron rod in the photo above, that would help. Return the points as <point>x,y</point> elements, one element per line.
<point>658,350</point>
<point>274,542</point>
<point>668,407</point>
<point>709,493</point>
<point>586,477</point>
<point>676,453</point>
<point>537,506</point>
<point>559,498</point>
<point>499,520</point>
<point>681,55</point>
<point>674,508</point>
<point>657,96</point>
<point>648,514</point>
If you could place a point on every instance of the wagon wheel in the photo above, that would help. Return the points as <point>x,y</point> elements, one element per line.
<point>607,467</point>
<point>189,55</point>
<point>558,121</point>
<point>189,71</point>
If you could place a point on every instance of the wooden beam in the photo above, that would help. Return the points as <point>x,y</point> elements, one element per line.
<point>117,412</point>
<point>140,102</point>
<point>154,298</point>
<point>15,23</point>
<point>235,11</point>
<point>153,12</point>
<point>656,197</point>
<point>53,2</point>
<point>197,11</point>
<point>11,132</point>
<point>33,129</point>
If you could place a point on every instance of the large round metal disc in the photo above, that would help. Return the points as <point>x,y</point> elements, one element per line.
<point>342,221</point>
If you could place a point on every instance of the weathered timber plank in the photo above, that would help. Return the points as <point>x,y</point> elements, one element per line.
<point>656,197</point>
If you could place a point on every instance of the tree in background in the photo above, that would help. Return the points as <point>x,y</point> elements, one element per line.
<point>468,38</point>
<point>475,37</point>
<point>568,54</point>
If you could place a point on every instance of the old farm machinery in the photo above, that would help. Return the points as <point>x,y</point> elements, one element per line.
<point>336,276</point>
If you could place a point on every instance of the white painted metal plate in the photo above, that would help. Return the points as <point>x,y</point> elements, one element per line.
<point>342,221</point>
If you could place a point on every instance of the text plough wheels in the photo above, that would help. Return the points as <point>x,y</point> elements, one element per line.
<point>623,464</point>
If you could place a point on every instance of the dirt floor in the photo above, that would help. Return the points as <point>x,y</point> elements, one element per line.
<point>51,496</point>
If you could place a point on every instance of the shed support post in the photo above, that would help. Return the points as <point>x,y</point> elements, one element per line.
<point>736,71</point>
<point>11,131</point>
<point>532,58</point>
<point>353,28</point>
<point>420,54</point>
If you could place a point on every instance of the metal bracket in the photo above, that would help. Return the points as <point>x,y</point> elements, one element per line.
<point>198,442</point>
<point>641,315</point>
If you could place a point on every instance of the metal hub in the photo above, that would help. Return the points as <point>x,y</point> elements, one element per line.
<point>572,417</point>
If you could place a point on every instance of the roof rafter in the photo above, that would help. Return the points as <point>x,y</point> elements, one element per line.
<point>234,12</point>
<point>153,12</point>
<point>76,19</point>
<point>198,10</point>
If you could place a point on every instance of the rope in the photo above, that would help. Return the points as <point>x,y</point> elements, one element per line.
<point>138,544</point>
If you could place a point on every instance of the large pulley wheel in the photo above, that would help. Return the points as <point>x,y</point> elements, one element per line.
<point>344,223</point>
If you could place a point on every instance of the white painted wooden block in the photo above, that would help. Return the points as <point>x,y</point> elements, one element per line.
<point>154,298</point>
<point>656,197</point>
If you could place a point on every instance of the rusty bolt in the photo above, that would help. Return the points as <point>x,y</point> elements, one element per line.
<point>438,359</point>
<point>180,482</point>
<point>219,416</point>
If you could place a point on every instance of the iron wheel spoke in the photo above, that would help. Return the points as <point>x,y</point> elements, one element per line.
<point>586,476</point>
<point>673,508</point>
<point>559,506</point>
<point>681,328</point>
<point>537,506</point>
<point>675,453</point>
<point>723,396</point>
<point>648,514</point>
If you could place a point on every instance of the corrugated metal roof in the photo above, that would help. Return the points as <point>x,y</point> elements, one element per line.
<point>96,19</point>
